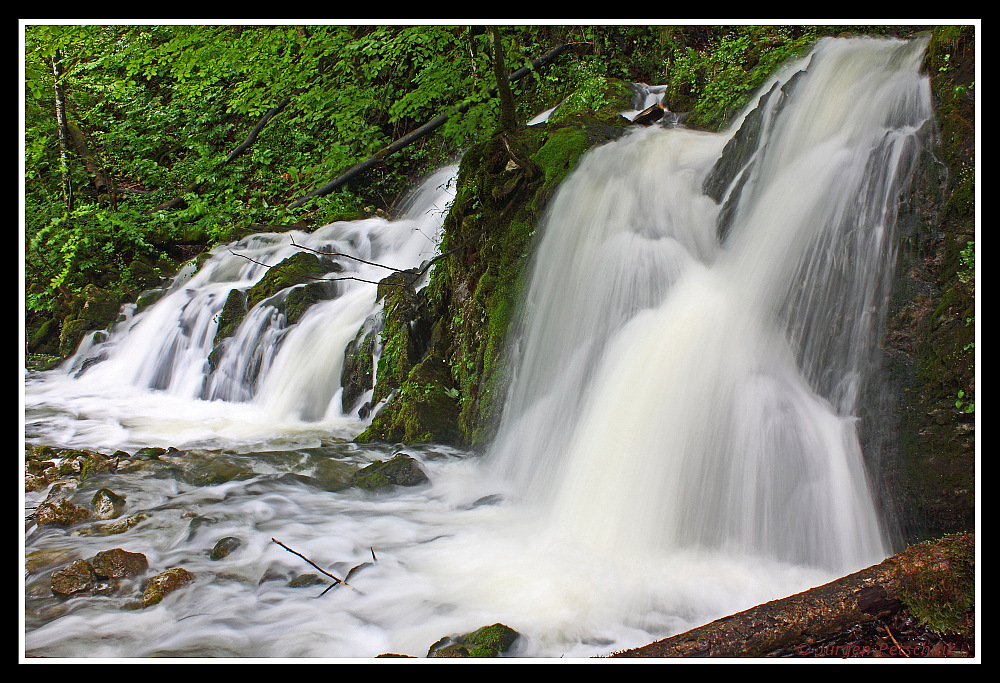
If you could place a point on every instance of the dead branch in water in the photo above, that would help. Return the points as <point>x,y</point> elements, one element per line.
<point>336,581</point>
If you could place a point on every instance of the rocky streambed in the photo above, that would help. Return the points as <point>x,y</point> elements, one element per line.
<point>110,535</point>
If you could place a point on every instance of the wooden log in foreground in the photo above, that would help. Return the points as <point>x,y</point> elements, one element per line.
<point>934,580</point>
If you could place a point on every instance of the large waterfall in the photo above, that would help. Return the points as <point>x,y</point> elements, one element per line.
<point>687,381</point>
<point>680,439</point>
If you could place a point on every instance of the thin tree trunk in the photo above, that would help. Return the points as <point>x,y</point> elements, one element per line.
<point>508,112</point>
<point>82,149</point>
<point>64,143</point>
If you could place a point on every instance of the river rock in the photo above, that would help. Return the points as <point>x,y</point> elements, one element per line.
<point>150,453</point>
<point>75,578</point>
<point>488,641</point>
<point>107,504</point>
<point>40,560</point>
<point>60,512</point>
<point>95,464</point>
<point>164,583</point>
<point>305,580</point>
<point>649,115</point>
<point>119,564</point>
<point>119,526</point>
<point>224,547</point>
<point>34,482</point>
<point>402,470</point>
<point>357,376</point>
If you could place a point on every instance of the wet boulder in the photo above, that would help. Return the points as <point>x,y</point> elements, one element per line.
<point>402,470</point>
<point>119,564</point>
<point>107,504</point>
<point>232,314</point>
<point>225,547</point>
<point>358,374</point>
<point>298,269</point>
<point>60,512</point>
<point>76,578</point>
<point>488,641</point>
<point>163,584</point>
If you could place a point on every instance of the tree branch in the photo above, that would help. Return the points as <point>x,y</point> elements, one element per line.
<point>179,202</point>
<point>425,129</point>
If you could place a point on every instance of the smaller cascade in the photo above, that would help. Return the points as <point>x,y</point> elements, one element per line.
<point>263,322</point>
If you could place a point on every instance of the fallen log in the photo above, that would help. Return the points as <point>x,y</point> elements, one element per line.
<point>420,132</point>
<point>934,580</point>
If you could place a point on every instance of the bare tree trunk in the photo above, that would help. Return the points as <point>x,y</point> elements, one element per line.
<point>64,143</point>
<point>508,113</point>
<point>82,149</point>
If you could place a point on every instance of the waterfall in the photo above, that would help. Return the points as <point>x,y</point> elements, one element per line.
<point>679,442</point>
<point>690,368</point>
<point>161,374</point>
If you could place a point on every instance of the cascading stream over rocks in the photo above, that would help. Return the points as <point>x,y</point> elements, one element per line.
<point>279,367</point>
<point>680,438</point>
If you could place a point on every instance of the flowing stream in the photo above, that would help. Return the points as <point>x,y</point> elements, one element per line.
<point>680,439</point>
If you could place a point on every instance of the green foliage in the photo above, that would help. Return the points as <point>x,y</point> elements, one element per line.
<point>736,61</point>
<point>967,260</point>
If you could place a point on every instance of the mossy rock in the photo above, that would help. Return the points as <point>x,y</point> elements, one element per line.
<point>596,96</point>
<point>231,315</point>
<point>44,338</point>
<point>424,410</point>
<point>358,373</point>
<point>300,299</point>
<point>402,470</point>
<point>404,333</point>
<point>488,641</point>
<point>100,306</point>
<point>937,581</point>
<point>450,390</point>
<point>300,268</point>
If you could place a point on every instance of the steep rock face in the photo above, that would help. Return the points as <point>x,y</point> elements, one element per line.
<point>929,341</point>
<point>451,390</point>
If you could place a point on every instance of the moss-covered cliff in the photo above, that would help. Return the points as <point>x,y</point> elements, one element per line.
<point>930,340</point>
<point>452,392</point>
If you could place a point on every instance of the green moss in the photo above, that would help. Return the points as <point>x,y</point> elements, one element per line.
<point>490,641</point>
<point>231,315</point>
<point>596,95</point>
<point>401,470</point>
<point>937,439</point>
<point>937,581</point>
<point>449,378</point>
<point>560,152</point>
<point>301,298</point>
<point>297,269</point>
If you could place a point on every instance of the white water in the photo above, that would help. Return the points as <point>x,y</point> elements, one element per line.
<point>155,383</point>
<point>679,443</point>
